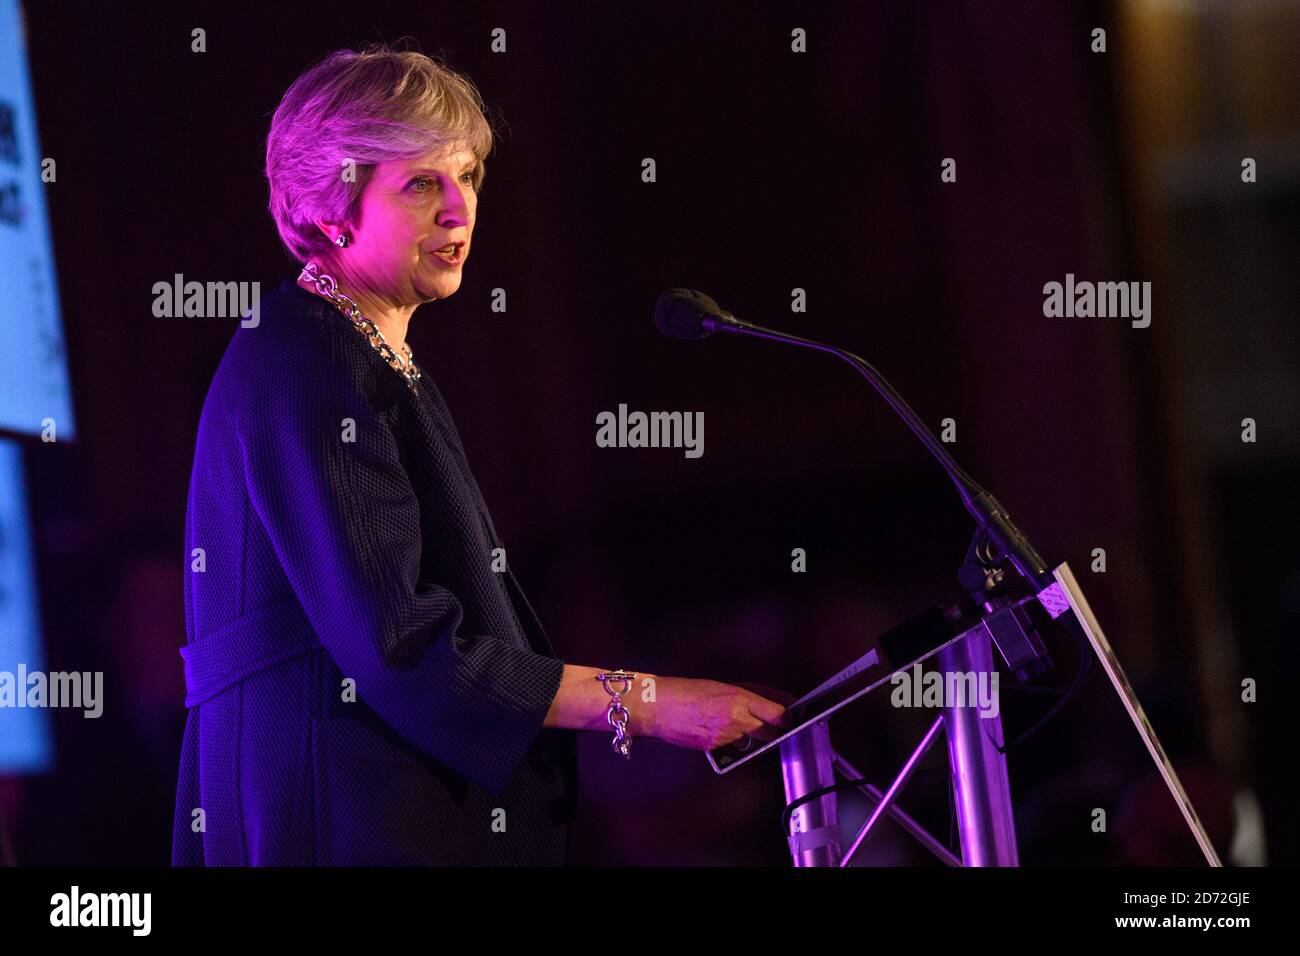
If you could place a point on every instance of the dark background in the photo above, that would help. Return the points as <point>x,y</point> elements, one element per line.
<point>775,170</point>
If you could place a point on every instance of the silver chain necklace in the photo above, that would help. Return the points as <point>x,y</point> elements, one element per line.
<point>329,289</point>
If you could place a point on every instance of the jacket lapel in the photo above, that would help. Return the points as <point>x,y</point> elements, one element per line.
<point>442,425</point>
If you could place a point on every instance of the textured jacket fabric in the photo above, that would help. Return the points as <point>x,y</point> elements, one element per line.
<point>336,541</point>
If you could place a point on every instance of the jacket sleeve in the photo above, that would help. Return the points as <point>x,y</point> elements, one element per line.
<point>344,521</point>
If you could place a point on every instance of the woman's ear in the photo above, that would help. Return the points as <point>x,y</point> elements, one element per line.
<point>331,229</point>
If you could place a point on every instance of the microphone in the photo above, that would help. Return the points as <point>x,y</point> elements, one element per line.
<point>690,314</point>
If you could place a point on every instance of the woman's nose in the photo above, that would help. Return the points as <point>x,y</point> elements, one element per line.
<point>455,205</point>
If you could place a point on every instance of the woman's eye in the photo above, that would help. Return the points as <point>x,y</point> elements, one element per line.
<point>423,183</point>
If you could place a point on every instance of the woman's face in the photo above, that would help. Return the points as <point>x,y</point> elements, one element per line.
<point>409,209</point>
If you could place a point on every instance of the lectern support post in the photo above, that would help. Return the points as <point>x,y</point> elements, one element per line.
<point>808,764</point>
<point>980,785</point>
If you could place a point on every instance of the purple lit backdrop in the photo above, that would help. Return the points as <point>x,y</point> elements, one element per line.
<point>775,171</point>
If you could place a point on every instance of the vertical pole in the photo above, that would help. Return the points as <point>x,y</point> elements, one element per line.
<point>808,764</point>
<point>981,787</point>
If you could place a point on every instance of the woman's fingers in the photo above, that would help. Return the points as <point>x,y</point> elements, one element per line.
<point>767,711</point>
<point>769,704</point>
<point>706,714</point>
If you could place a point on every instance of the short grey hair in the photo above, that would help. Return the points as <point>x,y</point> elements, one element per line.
<point>370,107</point>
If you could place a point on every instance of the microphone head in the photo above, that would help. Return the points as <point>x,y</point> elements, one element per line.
<point>680,313</point>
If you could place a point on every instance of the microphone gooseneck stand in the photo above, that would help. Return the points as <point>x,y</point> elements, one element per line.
<point>1002,573</point>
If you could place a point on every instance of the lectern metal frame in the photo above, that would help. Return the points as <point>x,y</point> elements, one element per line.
<point>977,764</point>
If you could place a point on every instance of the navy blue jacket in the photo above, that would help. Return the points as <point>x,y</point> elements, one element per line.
<point>336,538</point>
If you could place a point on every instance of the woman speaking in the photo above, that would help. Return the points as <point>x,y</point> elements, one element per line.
<point>366,683</point>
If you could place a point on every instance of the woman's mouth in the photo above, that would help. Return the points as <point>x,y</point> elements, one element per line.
<point>451,254</point>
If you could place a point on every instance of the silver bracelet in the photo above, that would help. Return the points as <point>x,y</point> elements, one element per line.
<point>617,714</point>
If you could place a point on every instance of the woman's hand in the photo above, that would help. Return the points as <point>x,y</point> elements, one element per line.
<point>704,714</point>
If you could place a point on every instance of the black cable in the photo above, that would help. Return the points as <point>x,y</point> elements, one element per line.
<point>812,795</point>
<point>1080,675</point>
